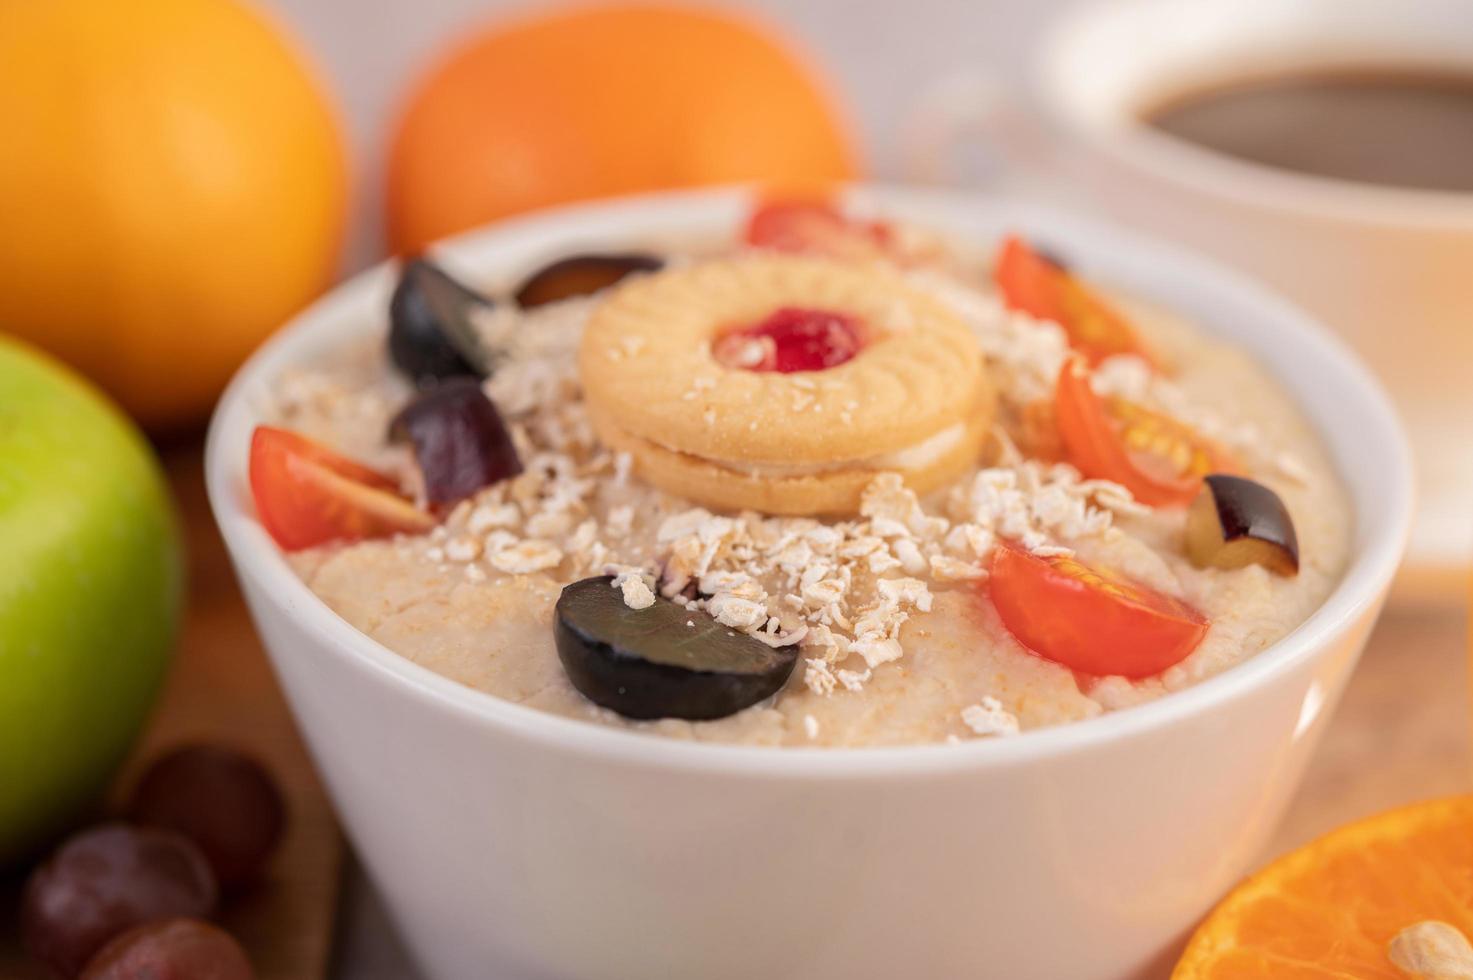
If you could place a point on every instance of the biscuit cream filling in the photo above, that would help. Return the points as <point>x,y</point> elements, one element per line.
<point>918,456</point>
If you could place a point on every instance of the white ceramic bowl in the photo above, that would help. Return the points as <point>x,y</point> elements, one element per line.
<point>520,845</point>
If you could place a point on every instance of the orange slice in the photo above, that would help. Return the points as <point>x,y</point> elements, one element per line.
<point>1330,910</point>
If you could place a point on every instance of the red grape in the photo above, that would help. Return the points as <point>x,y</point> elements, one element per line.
<point>224,801</point>
<point>108,879</point>
<point>171,949</point>
<point>460,441</point>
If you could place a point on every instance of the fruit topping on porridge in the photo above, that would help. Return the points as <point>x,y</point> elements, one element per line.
<point>646,656</point>
<point>307,495</point>
<point>1034,282</point>
<point>1159,459</point>
<point>460,443</point>
<point>432,327</point>
<point>1090,621</point>
<point>582,275</point>
<point>1236,522</point>
<point>817,228</point>
<point>838,482</point>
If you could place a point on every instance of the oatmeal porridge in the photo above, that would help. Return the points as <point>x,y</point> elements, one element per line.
<point>835,482</point>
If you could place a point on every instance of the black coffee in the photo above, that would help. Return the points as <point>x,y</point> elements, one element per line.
<point>1405,129</point>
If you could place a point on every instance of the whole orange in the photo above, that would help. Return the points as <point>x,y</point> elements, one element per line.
<point>592,101</point>
<point>173,186</point>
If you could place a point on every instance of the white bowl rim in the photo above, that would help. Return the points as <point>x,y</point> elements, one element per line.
<point>1360,589</point>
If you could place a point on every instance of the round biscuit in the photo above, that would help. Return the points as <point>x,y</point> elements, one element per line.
<point>647,366</point>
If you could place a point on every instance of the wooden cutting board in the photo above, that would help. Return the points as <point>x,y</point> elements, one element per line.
<point>221,689</point>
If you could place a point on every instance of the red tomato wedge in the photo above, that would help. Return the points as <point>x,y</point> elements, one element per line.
<point>815,227</point>
<point>1159,460</point>
<point>1088,621</point>
<point>1038,286</point>
<point>308,495</point>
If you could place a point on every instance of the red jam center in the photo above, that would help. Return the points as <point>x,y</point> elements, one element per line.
<point>793,338</point>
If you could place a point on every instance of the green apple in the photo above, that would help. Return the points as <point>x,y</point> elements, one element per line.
<point>90,586</point>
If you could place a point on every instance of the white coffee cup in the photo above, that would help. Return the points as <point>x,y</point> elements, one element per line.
<point>1390,269</point>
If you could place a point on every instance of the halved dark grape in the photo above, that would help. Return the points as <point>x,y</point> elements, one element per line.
<point>664,661</point>
<point>171,949</point>
<point>1236,522</point>
<point>106,880</point>
<point>582,275</point>
<point>432,330</point>
<point>459,440</point>
<point>223,800</point>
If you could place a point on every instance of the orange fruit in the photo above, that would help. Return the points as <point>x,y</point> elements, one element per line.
<point>1330,910</point>
<point>173,184</point>
<point>596,101</point>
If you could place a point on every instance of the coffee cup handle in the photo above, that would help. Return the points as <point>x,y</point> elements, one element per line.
<point>969,129</point>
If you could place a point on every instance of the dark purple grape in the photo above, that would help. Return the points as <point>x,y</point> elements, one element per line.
<point>172,949</point>
<point>106,880</point>
<point>224,801</point>
<point>432,330</point>
<point>459,440</point>
<point>663,661</point>
<point>582,275</point>
<point>1236,522</point>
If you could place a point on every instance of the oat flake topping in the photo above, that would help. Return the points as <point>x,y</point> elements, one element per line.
<point>841,591</point>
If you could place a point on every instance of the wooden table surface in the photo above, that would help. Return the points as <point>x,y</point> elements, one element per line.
<point>221,689</point>
<point>1401,733</point>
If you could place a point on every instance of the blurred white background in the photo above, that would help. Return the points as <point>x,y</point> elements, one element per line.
<point>878,55</point>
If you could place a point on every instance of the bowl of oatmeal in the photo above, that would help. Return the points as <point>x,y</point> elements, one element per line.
<point>668,587</point>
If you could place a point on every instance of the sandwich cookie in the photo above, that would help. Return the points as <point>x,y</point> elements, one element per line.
<point>783,383</point>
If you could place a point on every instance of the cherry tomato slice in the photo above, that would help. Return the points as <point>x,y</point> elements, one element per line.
<point>1089,621</point>
<point>308,495</point>
<point>815,227</point>
<point>1036,285</point>
<point>1159,460</point>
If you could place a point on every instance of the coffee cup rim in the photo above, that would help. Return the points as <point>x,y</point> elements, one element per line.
<point>1124,139</point>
